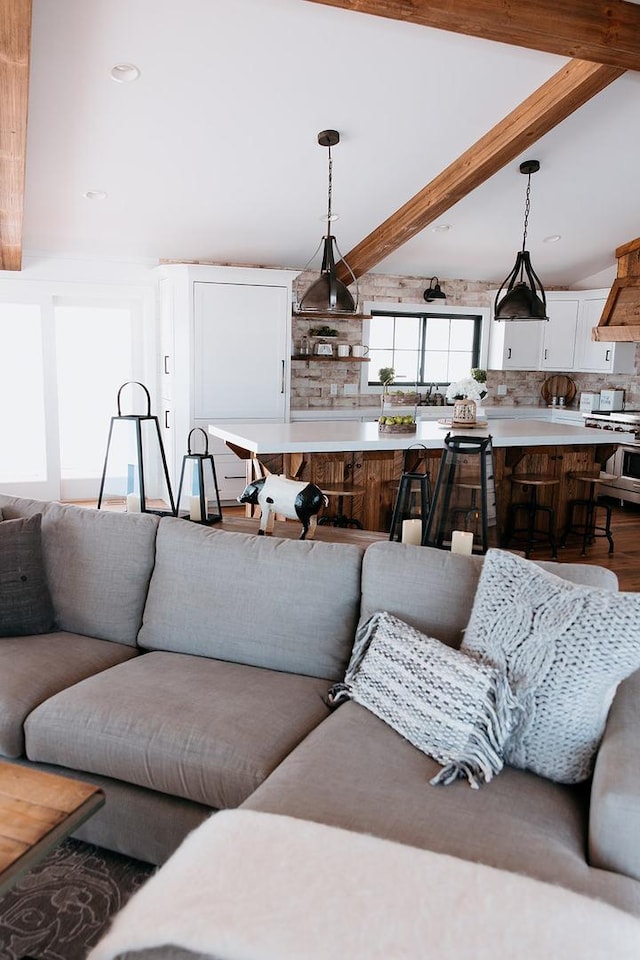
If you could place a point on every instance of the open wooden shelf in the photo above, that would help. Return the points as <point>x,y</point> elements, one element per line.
<point>322,315</point>
<point>321,358</point>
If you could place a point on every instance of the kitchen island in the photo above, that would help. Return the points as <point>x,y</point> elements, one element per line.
<point>337,452</point>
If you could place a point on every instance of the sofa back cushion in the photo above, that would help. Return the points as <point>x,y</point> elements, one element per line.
<point>98,564</point>
<point>433,590</point>
<point>289,605</point>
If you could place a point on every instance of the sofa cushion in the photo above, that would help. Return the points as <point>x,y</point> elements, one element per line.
<point>25,603</point>
<point>206,730</point>
<point>354,771</point>
<point>98,566</point>
<point>564,649</point>
<point>433,590</point>
<point>282,604</point>
<point>35,668</point>
<point>446,704</point>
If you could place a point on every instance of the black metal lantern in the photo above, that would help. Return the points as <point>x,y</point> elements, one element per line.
<point>198,489</point>
<point>413,500</point>
<point>135,466</point>
<point>524,297</point>
<point>464,498</point>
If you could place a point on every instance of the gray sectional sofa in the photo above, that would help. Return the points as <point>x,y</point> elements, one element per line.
<point>188,669</point>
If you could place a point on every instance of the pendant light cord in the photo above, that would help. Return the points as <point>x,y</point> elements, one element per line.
<point>329,192</point>
<point>527,208</point>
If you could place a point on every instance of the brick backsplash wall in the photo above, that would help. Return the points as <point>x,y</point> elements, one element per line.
<point>311,381</point>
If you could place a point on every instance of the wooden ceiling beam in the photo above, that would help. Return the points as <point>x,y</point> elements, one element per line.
<point>15,47</point>
<point>603,31</point>
<point>551,103</point>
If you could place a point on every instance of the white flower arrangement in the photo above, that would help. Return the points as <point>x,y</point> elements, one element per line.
<point>468,388</point>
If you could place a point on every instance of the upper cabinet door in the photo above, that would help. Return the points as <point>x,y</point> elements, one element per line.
<point>515,345</point>
<point>559,334</point>
<point>240,341</point>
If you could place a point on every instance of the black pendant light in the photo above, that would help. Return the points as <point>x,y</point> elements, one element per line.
<point>328,294</point>
<point>434,291</point>
<point>524,297</point>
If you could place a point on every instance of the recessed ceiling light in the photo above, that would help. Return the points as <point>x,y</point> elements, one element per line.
<point>553,238</point>
<point>442,228</point>
<point>95,195</point>
<point>124,72</point>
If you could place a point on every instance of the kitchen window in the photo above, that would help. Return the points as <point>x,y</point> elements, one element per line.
<point>423,348</point>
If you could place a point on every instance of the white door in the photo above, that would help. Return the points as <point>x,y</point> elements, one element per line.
<point>95,347</point>
<point>61,364</point>
<point>29,458</point>
<point>240,351</point>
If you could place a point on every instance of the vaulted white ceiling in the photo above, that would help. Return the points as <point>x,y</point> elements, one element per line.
<point>212,154</point>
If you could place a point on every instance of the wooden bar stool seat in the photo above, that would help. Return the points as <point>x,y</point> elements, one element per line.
<point>339,518</point>
<point>587,508</point>
<point>529,533</point>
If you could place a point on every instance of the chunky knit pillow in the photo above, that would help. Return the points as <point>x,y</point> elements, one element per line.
<point>564,648</point>
<point>446,704</point>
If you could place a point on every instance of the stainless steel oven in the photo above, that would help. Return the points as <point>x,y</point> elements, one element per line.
<point>625,462</point>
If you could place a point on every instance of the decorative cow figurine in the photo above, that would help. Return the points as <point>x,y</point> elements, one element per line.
<point>293,499</point>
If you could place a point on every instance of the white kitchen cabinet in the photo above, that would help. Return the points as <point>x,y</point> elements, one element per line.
<point>225,336</point>
<point>559,331</point>
<point>515,344</point>
<point>592,356</point>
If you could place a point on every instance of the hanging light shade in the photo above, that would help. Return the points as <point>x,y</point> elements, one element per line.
<point>434,292</point>
<point>521,296</point>
<point>328,294</point>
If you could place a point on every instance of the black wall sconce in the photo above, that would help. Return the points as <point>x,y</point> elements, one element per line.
<point>434,292</point>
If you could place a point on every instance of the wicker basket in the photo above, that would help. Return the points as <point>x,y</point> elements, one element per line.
<point>397,427</point>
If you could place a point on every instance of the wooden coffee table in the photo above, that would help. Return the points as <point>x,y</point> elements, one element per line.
<point>37,811</point>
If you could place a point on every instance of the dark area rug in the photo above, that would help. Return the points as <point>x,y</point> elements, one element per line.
<point>63,906</point>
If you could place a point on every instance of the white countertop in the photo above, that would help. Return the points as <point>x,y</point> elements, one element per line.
<point>336,436</point>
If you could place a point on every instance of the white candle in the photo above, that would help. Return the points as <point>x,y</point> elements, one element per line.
<point>412,531</point>
<point>194,508</point>
<point>462,542</point>
<point>133,503</point>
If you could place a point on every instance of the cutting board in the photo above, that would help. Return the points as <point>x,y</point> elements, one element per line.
<point>559,385</point>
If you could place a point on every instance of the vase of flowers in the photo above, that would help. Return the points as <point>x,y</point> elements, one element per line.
<point>467,395</point>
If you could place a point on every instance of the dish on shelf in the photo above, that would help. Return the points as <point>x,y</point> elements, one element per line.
<point>463,426</point>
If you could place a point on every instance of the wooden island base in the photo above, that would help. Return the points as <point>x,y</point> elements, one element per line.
<point>378,473</point>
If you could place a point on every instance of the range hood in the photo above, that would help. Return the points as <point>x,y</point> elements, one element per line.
<point>620,320</point>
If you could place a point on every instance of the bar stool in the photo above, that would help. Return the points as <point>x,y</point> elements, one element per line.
<point>413,496</point>
<point>588,528</point>
<point>339,519</point>
<point>530,534</point>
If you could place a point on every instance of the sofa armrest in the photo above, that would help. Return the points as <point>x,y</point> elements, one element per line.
<point>614,817</point>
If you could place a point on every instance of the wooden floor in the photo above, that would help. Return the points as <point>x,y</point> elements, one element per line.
<point>625,560</point>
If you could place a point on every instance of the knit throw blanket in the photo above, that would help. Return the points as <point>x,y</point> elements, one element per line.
<point>257,886</point>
